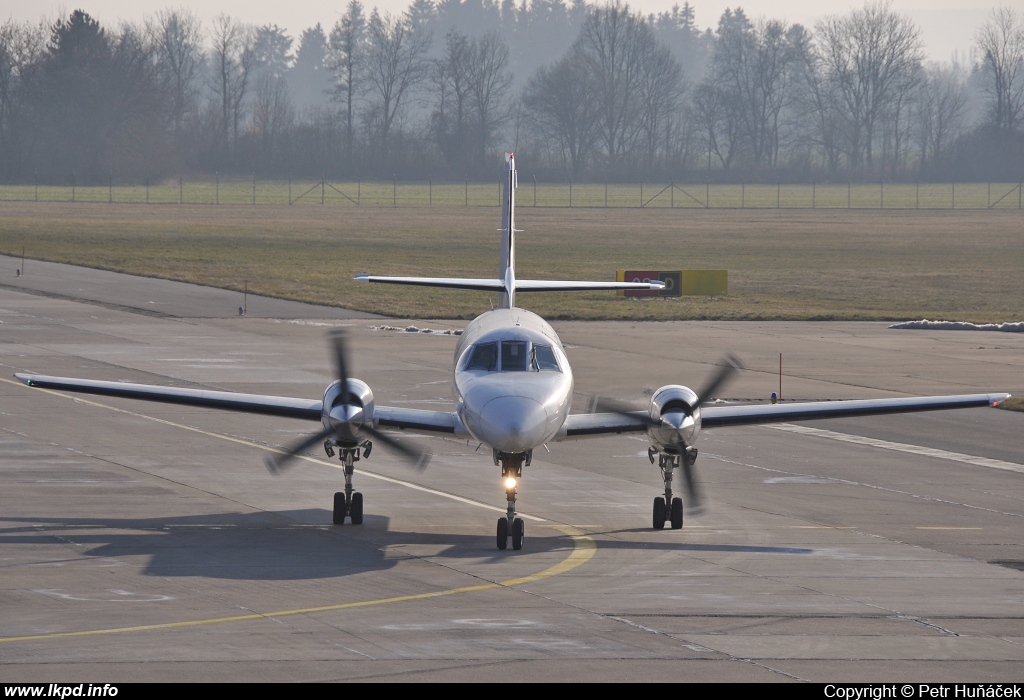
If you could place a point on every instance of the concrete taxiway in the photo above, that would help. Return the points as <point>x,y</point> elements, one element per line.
<point>142,541</point>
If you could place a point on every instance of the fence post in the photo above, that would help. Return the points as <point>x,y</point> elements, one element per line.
<point>849,185</point>
<point>147,189</point>
<point>672,196</point>
<point>394,190</point>
<point>181,191</point>
<point>814,192</point>
<point>35,180</point>
<point>430,193</point>
<point>707,195</point>
<point>954,194</point>
<point>216,188</point>
<point>743,195</point>
<point>1020,185</point>
<point>110,188</point>
<point>289,191</point>
<point>917,195</point>
<point>323,187</point>
<point>641,194</point>
<point>254,189</point>
<point>988,197</point>
<point>534,191</point>
<point>778,195</point>
<point>359,191</point>
<point>881,194</point>
<point>570,193</point>
<point>72,185</point>
<point>467,191</point>
<point>606,194</point>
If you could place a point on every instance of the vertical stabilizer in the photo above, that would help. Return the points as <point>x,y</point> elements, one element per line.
<point>507,270</point>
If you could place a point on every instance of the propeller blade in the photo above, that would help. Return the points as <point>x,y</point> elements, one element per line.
<point>602,404</point>
<point>693,499</point>
<point>417,458</point>
<point>723,375</point>
<point>278,463</point>
<point>340,365</point>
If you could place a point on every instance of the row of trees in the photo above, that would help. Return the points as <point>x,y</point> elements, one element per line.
<point>583,91</point>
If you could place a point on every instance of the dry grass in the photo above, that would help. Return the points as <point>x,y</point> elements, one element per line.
<point>808,264</point>
<point>1014,403</point>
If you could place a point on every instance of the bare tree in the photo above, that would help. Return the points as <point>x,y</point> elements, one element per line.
<point>176,36</point>
<point>718,121</point>
<point>395,66</point>
<point>272,113</point>
<point>941,108</point>
<point>817,118</point>
<point>21,47</point>
<point>870,56</point>
<point>451,116</point>
<point>490,85</point>
<point>563,103</point>
<point>1001,41</point>
<point>348,47</point>
<point>660,93</point>
<point>234,60</point>
<point>612,45</point>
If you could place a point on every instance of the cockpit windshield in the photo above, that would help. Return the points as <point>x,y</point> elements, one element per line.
<point>484,356</point>
<point>516,356</point>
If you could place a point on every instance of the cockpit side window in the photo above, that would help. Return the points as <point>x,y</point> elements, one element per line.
<point>513,356</point>
<point>544,359</point>
<point>483,356</point>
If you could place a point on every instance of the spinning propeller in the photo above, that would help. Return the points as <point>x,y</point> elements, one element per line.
<point>345,421</point>
<point>731,364</point>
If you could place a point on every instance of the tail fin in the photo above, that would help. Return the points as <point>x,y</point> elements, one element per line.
<point>506,284</point>
<point>507,269</point>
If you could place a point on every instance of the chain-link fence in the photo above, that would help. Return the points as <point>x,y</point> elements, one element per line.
<point>398,193</point>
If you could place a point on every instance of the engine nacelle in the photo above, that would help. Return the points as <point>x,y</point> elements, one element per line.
<point>675,408</point>
<point>354,407</point>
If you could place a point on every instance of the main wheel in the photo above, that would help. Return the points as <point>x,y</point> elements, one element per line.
<point>518,532</point>
<point>339,508</point>
<point>659,513</point>
<point>355,509</point>
<point>502,533</point>
<point>677,513</point>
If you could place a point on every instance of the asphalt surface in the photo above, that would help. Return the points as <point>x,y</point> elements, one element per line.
<point>141,541</point>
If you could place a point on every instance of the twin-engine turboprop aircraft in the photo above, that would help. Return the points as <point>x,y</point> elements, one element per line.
<point>513,388</point>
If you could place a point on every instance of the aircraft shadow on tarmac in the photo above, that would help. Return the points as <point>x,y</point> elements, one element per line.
<point>294,545</point>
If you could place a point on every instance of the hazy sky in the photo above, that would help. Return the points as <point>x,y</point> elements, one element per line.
<point>947,26</point>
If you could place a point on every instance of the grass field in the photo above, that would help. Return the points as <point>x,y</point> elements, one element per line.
<point>1001,195</point>
<point>787,264</point>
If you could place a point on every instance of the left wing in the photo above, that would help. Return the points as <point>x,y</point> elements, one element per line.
<point>227,400</point>
<point>496,285</point>
<point>597,424</point>
<point>384,417</point>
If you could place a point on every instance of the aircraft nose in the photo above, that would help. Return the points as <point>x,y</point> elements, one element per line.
<point>512,423</point>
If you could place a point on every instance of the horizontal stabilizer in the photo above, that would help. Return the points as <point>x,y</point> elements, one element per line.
<point>496,285</point>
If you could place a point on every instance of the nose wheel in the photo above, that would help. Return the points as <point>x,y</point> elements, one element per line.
<point>348,503</point>
<point>511,527</point>
<point>669,508</point>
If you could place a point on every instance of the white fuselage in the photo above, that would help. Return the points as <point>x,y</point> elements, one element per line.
<point>508,401</point>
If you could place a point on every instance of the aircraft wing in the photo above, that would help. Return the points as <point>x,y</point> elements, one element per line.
<point>385,417</point>
<point>228,400</point>
<point>723,416</point>
<point>596,424</point>
<point>496,285</point>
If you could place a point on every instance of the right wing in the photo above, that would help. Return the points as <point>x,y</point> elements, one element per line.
<point>584,425</point>
<point>496,285</point>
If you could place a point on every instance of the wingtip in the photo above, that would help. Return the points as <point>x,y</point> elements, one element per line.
<point>362,277</point>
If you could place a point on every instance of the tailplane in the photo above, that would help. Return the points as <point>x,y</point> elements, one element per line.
<point>506,284</point>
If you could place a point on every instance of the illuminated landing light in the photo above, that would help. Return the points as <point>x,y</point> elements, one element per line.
<point>510,483</point>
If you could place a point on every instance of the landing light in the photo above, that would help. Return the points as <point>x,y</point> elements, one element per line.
<point>510,483</point>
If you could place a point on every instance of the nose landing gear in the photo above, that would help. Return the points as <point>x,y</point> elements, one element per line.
<point>348,502</point>
<point>511,526</point>
<point>668,507</point>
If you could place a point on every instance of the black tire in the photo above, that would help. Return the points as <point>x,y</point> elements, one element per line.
<point>502,533</point>
<point>355,509</point>
<point>339,508</point>
<point>659,513</point>
<point>677,513</point>
<point>518,533</point>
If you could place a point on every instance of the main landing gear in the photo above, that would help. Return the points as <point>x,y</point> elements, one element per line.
<point>511,527</point>
<point>348,502</point>
<point>667,507</point>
